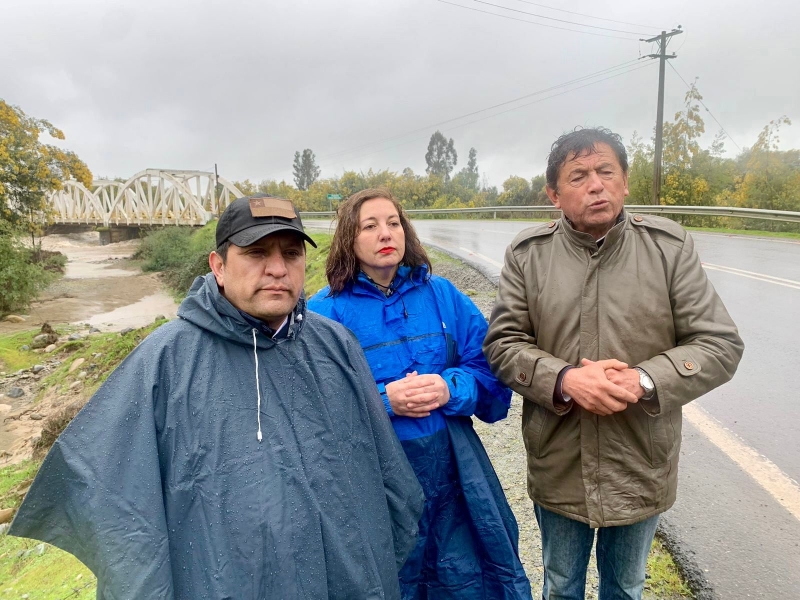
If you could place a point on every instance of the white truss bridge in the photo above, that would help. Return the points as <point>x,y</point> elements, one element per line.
<point>151,197</point>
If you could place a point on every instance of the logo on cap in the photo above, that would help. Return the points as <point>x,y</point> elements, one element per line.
<point>272,207</point>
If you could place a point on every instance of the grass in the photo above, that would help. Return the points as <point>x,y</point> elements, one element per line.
<point>315,263</point>
<point>31,567</point>
<point>663,580</point>
<point>12,357</point>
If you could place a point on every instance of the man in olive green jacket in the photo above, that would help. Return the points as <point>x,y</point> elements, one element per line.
<point>606,325</point>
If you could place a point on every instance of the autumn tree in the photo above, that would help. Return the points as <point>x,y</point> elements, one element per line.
<point>441,156</point>
<point>30,169</point>
<point>772,177</point>
<point>305,169</point>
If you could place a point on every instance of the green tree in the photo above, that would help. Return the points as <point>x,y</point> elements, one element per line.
<point>538,193</point>
<point>30,169</point>
<point>305,169</point>
<point>441,156</point>
<point>516,192</point>
<point>640,171</point>
<point>469,175</point>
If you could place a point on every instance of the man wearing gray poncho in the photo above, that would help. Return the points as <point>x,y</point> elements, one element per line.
<point>241,451</point>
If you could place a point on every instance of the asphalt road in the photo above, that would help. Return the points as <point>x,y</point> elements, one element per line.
<point>738,510</point>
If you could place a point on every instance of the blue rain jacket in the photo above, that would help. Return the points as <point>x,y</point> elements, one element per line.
<point>160,486</point>
<point>468,545</point>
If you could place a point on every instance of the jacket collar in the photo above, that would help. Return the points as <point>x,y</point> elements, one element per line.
<point>405,278</point>
<point>584,240</point>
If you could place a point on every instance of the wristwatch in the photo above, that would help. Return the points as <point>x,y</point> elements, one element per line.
<point>647,384</point>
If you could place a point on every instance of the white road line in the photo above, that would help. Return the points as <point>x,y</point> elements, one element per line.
<point>780,486</point>
<point>740,236</point>
<point>481,256</point>
<point>751,275</point>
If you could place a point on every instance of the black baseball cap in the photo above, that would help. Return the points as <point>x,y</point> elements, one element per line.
<point>248,219</point>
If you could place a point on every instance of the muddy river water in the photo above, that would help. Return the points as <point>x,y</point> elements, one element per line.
<point>100,287</point>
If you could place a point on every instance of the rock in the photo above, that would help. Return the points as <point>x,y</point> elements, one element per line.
<point>41,340</point>
<point>38,351</point>
<point>15,392</point>
<point>159,318</point>
<point>94,330</point>
<point>126,330</point>
<point>25,348</point>
<point>82,375</point>
<point>76,363</point>
<point>75,385</point>
<point>50,348</point>
<point>75,337</point>
<point>3,528</point>
<point>14,319</point>
<point>6,514</point>
<point>40,549</point>
<point>36,417</point>
<point>37,369</point>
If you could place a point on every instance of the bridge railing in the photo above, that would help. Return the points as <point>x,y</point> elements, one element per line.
<point>713,211</point>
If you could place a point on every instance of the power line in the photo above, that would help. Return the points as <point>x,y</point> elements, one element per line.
<point>470,114</point>
<point>486,12</point>
<point>506,111</point>
<point>587,16</point>
<point>707,110</point>
<point>559,20</point>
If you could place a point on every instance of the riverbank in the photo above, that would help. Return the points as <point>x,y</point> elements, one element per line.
<point>101,287</point>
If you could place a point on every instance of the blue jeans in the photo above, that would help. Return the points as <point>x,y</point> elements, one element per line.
<point>621,557</point>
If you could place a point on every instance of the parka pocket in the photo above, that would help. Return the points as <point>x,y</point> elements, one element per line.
<point>534,418</point>
<point>662,438</point>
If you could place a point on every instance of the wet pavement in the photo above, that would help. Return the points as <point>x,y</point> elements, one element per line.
<point>730,518</point>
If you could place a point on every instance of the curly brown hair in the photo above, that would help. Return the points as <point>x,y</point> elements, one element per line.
<point>342,266</point>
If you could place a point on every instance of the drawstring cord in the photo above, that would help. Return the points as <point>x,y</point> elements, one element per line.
<point>258,387</point>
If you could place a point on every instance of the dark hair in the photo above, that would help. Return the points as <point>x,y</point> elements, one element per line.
<point>342,266</point>
<point>222,250</point>
<point>582,142</point>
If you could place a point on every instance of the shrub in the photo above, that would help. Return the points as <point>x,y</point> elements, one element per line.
<point>20,278</point>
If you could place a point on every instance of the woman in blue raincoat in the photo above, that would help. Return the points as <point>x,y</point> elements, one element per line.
<point>422,339</point>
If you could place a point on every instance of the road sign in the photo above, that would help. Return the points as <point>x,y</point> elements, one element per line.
<point>334,196</point>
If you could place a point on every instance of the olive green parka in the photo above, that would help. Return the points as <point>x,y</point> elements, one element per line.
<point>642,298</point>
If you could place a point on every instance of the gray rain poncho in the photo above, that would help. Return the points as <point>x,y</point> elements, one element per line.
<point>161,487</point>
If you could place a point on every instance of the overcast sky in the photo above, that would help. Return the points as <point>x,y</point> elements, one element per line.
<point>186,84</point>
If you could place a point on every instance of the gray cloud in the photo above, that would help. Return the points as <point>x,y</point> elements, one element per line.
<point>183,84</point>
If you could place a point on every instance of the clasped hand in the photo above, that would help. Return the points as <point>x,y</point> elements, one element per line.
<point>417,395</point>
<point>603,387</point>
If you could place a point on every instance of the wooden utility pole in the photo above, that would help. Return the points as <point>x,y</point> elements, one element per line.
<point>662,56</point>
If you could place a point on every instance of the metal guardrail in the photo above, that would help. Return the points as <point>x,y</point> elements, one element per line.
<point>713,211</point>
